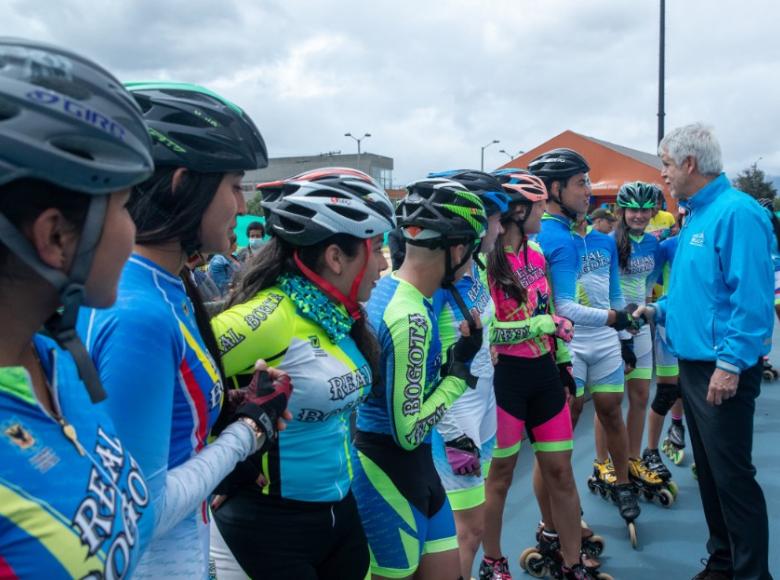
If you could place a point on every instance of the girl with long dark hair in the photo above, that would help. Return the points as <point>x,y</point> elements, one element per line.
<point>154,349</point>
<point>531,380</point>
<point>290,512</point>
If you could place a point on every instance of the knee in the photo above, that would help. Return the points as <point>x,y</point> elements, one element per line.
<point>561,478</point>
<point>638,396</point>
<point>470,535</point>
<point>500,478</point>
<point>666,394</point>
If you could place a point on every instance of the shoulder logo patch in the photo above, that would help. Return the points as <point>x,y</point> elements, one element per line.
<point>697,240</point>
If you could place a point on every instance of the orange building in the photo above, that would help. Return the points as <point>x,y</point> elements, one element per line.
<point>611,165</point>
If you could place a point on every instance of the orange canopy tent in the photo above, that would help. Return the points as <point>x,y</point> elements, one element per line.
<point>611,165</point>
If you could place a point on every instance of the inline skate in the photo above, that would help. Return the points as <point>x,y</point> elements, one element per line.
<point>649,483</point>
<point>592,544</point>
<point>544,559</point>
<point>494,569</point>
<point>623,496</point>
<point>603,477</point>
<point>674,444</point>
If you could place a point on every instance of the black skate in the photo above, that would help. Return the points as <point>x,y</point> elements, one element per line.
<point>674,443</point>
<point>624,498</point>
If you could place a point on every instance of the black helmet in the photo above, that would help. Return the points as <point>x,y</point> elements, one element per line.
<point>638,195</point>
<point>438,213</point>
<point>484,185</point>
<point>196,128</point>
<point>67,121</point>
<point>305,213</point>
<point>558,164</point>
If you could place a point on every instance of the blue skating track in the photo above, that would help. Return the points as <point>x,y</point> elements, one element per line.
<point>671,541</point>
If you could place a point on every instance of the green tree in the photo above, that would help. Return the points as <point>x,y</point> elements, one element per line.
<point>253,205</point>
<point>753,181</point>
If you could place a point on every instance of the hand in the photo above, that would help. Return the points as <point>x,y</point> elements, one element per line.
<point>564,328</point>
<point>566,373</point>
<point>627,352</point>
<point>266,402</point>
<point>460,354</point>
<point>470,340</point>
<point>723,385</point>
<point>646,312</point>
<point>493,355</point>
<point>463,456</point>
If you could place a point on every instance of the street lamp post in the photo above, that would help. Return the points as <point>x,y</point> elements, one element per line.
<point>507,153</point>
<point>359,140</point>
<point>482,153</point>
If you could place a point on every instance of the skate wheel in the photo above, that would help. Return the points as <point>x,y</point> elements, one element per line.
<point>583,524</point>
<point>604,576</point>
<point>596,546</point>
<point>632,534</point>
<point>591,485</point>
<point>665,497</point>
<point>535,565</point>
<point>673,488</point>
<point>602,492</point>
<point>768,375</point>
<point>678,457</point>
<point>524,556</point>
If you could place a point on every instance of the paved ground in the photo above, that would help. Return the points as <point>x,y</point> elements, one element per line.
<point>671,541</point>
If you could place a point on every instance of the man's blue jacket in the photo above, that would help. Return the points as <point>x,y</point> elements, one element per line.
<point>720,301</point>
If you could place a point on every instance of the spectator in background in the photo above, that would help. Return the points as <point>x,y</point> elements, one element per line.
<point>223,267</point>
<point>662,223</point>
<point>724,256</point>
<point>603,220</point>
<point>255,233</point>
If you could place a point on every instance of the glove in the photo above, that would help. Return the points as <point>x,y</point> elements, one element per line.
<point>564,328</point>
<point>265,402</point>
<point>463,456</point>
<point>624,319</point>
<point>566,373</point>
<point>460,355</point>
<point>627,352</point>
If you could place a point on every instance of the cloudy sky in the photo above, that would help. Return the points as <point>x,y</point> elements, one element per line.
<point>434,80</point>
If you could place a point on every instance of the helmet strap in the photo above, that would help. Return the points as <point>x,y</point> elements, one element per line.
<point>449,280</point>
<point>350,302</point>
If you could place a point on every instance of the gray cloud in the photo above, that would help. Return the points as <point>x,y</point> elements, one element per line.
<point>433,81</point>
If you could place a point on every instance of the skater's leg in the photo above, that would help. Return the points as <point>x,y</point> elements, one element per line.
<point>602,446</point>
<point>667,396</point>
<point>496,489</point>
<point>638,393</point>
<point>542,496</point>
<point>609,411</point>
<point>556,470</point>
<point>470,524</point>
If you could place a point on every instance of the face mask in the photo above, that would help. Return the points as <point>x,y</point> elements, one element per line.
<point>256,243</point>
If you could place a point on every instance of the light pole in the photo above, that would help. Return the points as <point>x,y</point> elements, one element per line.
<point>365,136</point>
<point>482,153</point>
<point>507,153</point>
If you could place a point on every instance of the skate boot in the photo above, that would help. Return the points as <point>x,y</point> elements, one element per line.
<point>674,443</point>
<point>623,496</point>
<point>648,484</point>
<point>545,558</point>
<point>655,465</point>
<point>603,477</point>
<point>490,569</point>
<point>582,571</point>
<point>592,544</point>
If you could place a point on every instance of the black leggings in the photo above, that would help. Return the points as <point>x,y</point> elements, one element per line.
<point>275,538</point>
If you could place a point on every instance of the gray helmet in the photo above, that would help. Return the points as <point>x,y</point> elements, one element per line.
<point>67,121</point>
<point>305,213</point>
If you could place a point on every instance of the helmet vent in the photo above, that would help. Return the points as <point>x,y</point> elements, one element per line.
<point>185,119</point>
<point>349,213</point>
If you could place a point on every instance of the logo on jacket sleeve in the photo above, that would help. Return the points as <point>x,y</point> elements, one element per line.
<point>697,240</point>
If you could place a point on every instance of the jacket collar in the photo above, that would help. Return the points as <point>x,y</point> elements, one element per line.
<point>709,192</point>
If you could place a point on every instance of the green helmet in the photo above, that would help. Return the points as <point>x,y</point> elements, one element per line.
<point>439,212</point>
<point>638,195</point>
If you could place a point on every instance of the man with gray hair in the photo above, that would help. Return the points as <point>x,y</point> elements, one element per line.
<point>724,256</point>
